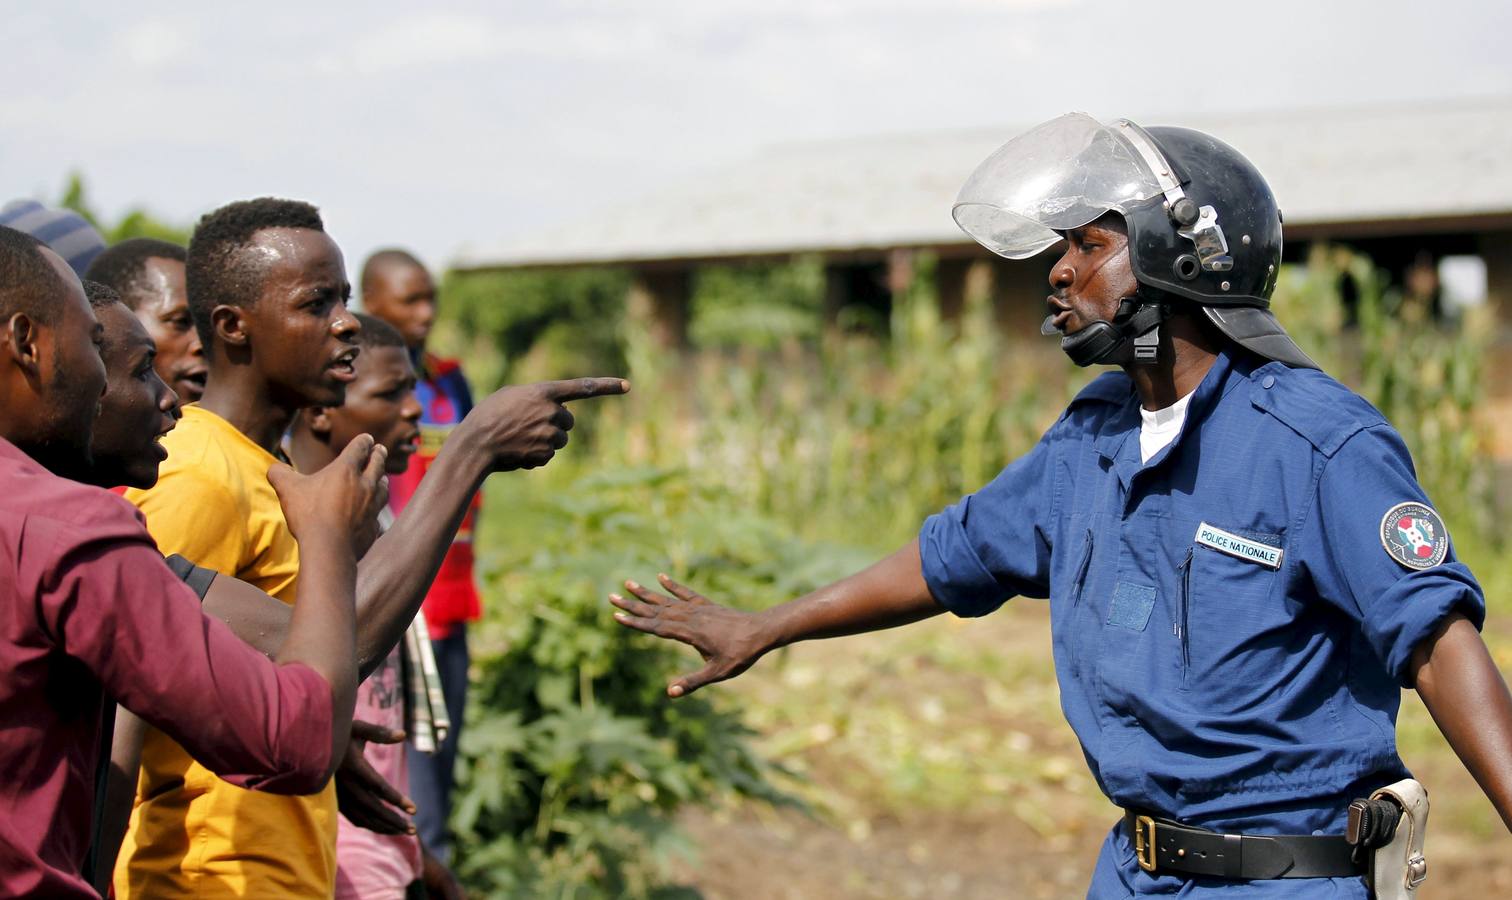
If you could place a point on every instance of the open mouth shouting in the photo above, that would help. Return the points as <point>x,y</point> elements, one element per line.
<point>190,384</point>
<point>157,442</point>
<point>342,366</point>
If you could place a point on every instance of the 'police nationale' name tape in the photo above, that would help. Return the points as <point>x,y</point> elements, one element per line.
<point>1241,547</point>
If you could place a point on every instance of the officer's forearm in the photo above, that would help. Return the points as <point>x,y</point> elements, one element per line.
<point>393,577</point>
<point>889,593</point>
<point>1468,698</point>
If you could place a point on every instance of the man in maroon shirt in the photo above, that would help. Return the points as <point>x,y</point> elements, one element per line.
<point>88,607</point>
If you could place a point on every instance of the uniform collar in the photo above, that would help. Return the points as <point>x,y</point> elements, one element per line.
<point>1118,440</point>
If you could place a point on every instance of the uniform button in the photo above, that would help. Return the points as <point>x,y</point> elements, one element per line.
<point>1269,382</point>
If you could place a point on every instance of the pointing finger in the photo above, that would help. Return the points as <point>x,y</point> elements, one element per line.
<point>583,388</point>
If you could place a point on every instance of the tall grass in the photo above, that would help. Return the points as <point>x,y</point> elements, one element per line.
<point>855,442</point>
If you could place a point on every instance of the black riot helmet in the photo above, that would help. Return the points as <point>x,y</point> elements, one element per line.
<point>1203,225</point>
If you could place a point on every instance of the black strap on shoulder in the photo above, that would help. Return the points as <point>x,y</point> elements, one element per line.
<point>197,577</point>
<point>1169,847</point>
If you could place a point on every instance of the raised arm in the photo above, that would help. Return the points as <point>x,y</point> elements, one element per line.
<point>114,605</point>
<point>887,594</point>
<point>518,427</point>
<point>333,514</point>
<point>1468,698</point>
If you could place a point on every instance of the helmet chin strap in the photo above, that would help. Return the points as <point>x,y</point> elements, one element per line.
<point>1136,325</point>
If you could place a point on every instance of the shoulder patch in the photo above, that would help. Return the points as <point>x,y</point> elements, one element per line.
<point>1109,387</point>
<point>1414,535</point>
<point>1314,405</point>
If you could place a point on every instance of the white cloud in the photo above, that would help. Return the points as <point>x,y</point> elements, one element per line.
<point>470,120</point>
<point>425,39</point>
<point>154,44</point>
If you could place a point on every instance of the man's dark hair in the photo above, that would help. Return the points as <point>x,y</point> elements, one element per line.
<point>124,266</point>
<point>382,259</point>
<point>378,333</point>
<point>100,294</point>
<point>28,282</point>
<point>218,269</point>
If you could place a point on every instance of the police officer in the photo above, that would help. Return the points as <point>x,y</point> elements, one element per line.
<point>1241,566</point>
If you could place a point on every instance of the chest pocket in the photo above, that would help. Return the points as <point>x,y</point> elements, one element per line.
<point>1067,590</point>
<point>1229,616</point>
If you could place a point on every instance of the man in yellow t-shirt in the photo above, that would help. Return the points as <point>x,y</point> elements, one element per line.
<point>268,291</point>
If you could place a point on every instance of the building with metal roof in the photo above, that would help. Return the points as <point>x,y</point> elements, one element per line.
<point>1396,181</point>
<point>1370,171</point>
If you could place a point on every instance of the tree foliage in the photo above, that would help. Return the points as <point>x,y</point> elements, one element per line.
<point>135,222</point>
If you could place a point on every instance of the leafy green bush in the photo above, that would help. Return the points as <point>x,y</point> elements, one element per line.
<point>574,758</point>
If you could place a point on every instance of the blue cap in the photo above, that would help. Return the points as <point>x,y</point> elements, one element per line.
<point>64,231</point>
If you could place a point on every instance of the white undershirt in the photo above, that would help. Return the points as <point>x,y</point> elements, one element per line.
<point>1158,428</point>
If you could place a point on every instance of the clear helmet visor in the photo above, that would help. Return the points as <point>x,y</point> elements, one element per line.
<point>1060,175</point>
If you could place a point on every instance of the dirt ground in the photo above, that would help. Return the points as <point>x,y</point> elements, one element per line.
<point>869,839</point>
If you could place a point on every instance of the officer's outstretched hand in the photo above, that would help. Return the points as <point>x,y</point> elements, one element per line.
<point>523,426</point>
<point>727,639</point>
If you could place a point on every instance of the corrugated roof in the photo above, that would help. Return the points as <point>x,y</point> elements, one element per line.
<point>1379,164</point>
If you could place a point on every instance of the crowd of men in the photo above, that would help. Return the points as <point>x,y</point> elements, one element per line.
<point>283,538</point>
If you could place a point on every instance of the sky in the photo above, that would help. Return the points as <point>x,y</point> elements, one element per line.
<point>430,128</point>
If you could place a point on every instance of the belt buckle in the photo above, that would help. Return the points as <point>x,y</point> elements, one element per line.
<point>1144,842</point>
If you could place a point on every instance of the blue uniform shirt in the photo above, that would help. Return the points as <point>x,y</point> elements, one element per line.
<point>1249,689</point>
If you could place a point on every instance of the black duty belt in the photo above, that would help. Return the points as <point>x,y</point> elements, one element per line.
<point>1167,847</point>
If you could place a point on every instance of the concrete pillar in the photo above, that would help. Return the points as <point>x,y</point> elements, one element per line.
<point>1496,249</point>
<point>836,295</point>
<point>959,280</point>
<point>900,271</point>
<point>659,301</point>
<point>950,287</point>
